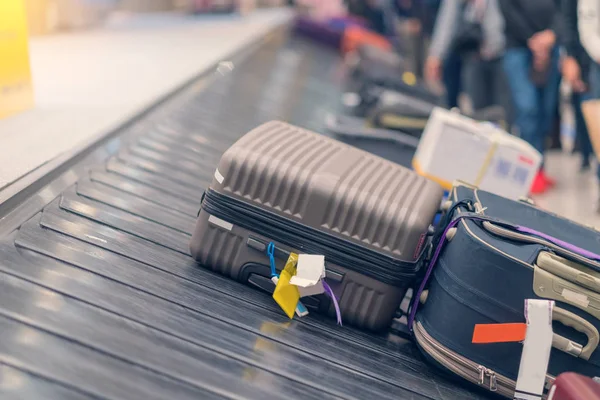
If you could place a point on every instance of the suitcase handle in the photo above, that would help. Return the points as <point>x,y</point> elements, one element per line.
<point>574,321</point>
<point>569,270</point>
<point>549,286</point>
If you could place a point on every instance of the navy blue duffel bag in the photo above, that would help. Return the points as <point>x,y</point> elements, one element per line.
<point>491,254</point>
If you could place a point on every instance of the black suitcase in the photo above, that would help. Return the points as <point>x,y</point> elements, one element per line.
<point>380,91</point>
<point>491,255</point>
<point>412,118</point>
<point>376,73</point>
<point>380,113</point>
<point>395,146</point>
<point>369,60</point>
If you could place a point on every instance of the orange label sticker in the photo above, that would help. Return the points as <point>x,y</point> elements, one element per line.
<point>499,333</point>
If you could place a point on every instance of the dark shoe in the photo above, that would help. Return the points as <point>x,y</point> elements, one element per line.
<point>585,164</point>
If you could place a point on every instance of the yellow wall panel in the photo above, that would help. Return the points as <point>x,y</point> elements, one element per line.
<point>16,92</point>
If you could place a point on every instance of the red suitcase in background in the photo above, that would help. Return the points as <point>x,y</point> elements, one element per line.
<point>572,386</point>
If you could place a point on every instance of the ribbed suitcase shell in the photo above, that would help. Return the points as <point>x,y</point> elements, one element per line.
<point>315,181</point>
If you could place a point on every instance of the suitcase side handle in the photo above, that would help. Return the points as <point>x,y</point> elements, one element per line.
<point>549,286</point>
<point>569,270</point>
<point>574,321</point>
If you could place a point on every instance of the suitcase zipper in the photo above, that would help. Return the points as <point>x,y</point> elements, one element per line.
<point>381,266</point>
<point>462,366</point>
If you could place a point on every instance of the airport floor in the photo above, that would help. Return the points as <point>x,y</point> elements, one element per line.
<point>576,194</point>
<point>89,83</point>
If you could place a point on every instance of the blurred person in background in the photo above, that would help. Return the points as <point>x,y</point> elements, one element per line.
<point>589,33</point>
<point>575,71</point>
<point>413,14</point>
<point>446,67</point>
<point>531,66</point>
<point>415,17</point>
<point>468,36</point>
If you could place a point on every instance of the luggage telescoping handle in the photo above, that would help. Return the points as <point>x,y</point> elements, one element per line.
<point>560,279</point>
<point>571,271</point>
<point>576,322</point>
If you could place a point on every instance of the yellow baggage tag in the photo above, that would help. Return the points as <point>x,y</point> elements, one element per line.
<point>285,294</point>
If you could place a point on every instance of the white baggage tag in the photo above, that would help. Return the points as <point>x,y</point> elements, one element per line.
<point>536,350</point>
<point>309,271</point>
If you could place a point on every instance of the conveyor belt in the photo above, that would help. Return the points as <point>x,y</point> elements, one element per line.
<point>99,297</point>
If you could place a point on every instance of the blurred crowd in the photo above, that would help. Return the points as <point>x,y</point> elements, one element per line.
<point>511,53</point>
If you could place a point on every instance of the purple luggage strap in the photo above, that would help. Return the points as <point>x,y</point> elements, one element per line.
<point>480,217</point>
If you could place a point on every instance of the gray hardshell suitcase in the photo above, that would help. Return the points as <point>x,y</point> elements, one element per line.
<point>307,193</point>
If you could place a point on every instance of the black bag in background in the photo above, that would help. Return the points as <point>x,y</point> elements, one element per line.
<point>469,34</point>
<point>469,37</point>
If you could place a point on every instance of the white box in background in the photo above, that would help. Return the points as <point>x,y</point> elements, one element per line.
<point>454,147</point>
